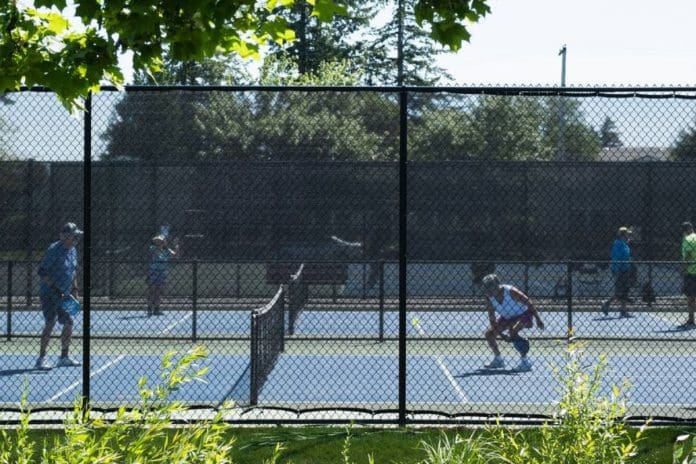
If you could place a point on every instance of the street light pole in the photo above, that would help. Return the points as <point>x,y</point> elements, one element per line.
<point>562,52</point>
<point>561,156</point>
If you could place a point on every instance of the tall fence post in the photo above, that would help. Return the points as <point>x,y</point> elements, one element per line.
<point>87,252</point>
<point>569,299</point>
<point>29,229</point>
<point>381,301</point>
<point>525,229</point>
<point>9,300</point>
<point>112,235</point>
<point>194,301</point>
<point>403,214</point>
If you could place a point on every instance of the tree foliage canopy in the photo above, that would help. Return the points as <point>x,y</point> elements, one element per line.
<point>685,146</point>
<point>44,45</point>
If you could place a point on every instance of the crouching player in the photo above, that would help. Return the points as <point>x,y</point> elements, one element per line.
<point>508,310</point>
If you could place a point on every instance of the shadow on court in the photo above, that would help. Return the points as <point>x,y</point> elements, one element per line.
<point>488,373</point>
<point>11,372</point>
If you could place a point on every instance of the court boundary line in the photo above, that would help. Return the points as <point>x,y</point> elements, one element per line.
<point>110,364</point>
<point>445,370</point>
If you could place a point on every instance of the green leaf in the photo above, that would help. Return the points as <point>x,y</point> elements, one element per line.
<point>450,34</point>
<point>272,4</point>
<point>60,4</point>
<point>56,22</point>
<point>325,10</point>
<point>88,10</point>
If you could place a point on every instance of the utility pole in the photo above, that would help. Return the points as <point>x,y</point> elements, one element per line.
<point>561,156</point>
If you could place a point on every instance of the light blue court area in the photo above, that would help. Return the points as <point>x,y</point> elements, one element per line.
<point>448,382</point>
<point>114,380</point>
<point>474,324</point>
<point>359,323</point>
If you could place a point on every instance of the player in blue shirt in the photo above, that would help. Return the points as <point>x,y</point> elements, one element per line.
<point>621,268</point>
<point>160,255</point>
<point>58,272</point>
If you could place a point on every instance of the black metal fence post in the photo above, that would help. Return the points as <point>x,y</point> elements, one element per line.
<point>9,300</point>
<point>112,234</point>
<point>194,301</point>
<point>29,229</point>
<point>569,299</point>
<point>87,255</point>
<point>403,205</point>
<point>381,301</point>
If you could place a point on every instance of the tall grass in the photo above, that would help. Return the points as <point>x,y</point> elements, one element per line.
<point>143,434</point>
<point>586,428</point>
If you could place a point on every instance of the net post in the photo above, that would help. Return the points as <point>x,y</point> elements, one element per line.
<point>381,301</point>
<point>569,298</point>
<point>194,302</point>
<point>9,300</point>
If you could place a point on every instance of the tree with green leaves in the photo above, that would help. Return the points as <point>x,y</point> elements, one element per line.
<point>162,126</point>
<point>5,131</point>
<point>608,136</point>
<point>685,146</point>
<point>317,42</point>
<point>417,49</point>
<point>295,125</point>
<point>40,45</point>
<point>507,128</point>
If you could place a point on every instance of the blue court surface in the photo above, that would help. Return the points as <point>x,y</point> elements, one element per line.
<point>303,381</point>
<point>344,323</point>
<point>452,380</point>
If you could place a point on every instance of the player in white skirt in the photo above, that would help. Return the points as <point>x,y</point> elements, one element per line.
<point>509,309</point>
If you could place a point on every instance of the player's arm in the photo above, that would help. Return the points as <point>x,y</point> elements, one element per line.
<point>174,251</point>
<point>346,243</point>
<point>517,295</point>
<point>74,292</point>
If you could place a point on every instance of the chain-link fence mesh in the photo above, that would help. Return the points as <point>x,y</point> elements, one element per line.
<point>266,225</point>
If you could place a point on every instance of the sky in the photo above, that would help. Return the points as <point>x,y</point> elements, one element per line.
<point>609,42</point>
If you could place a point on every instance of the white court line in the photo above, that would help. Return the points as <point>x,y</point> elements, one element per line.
<point>106,366</point>
<point>445,370</point>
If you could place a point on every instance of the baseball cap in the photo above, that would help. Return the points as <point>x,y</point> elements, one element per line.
<point>625,230</point>
<point>159,237</point>
<point>70,228</point>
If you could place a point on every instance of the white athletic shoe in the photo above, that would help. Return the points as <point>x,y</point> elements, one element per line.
<point>497,363</point>
<point>524,365</point>
<point>67,361</point>
<point>43,364</point>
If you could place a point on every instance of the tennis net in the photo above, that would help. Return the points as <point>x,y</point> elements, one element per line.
<point>297,298</point>
<point>267,341</point>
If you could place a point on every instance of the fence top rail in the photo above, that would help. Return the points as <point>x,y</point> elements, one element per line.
<point>305,262</point>
<point>575,91</point>
<point>512,164</point>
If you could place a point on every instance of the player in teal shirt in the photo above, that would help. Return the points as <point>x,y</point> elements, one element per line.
<point>58,272</point>
<point>621,268</point>
<point>160,255</point>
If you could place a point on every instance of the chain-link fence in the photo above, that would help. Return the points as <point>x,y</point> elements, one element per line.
<point>327,246</point>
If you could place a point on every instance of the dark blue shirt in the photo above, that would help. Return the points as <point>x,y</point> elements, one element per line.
<point>59,265</point>
<point>620,256</point>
